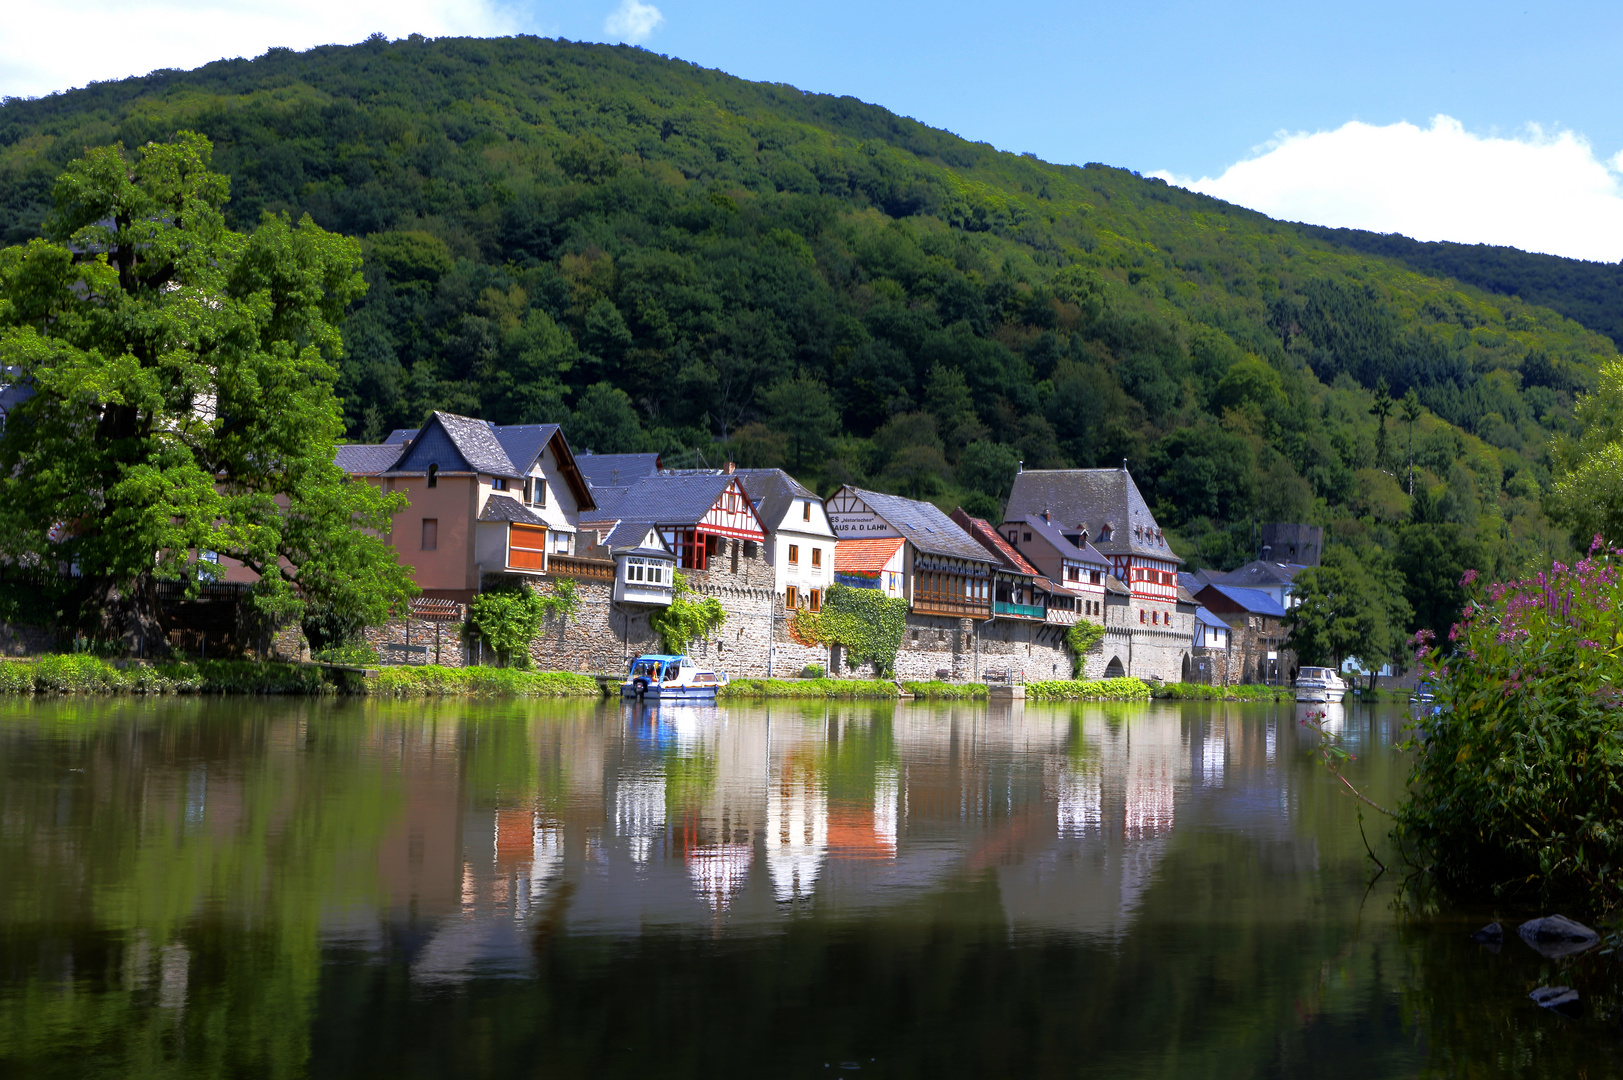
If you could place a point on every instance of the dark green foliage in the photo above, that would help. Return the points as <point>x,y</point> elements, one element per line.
<point>1352,606</point>
<point>1517,788</point>
<point>666,258</point>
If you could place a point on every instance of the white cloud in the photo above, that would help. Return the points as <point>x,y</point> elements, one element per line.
<point>632,22</point>
<point>1538,192</point>
<point>59,44</point>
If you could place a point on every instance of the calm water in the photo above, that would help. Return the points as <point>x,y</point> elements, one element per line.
<point>346,889</point>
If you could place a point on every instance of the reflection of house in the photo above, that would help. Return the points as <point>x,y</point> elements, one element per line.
<point>944,572</point>
<point>484,498</point>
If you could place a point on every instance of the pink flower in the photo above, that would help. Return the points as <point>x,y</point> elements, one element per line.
<point>1468,578</point>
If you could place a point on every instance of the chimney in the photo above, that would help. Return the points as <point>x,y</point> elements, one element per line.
<point>1045,514</point>
<point>1123,464</point>
<point>730,468</point>
<point>1022,467</point>
<point>1266,549</point>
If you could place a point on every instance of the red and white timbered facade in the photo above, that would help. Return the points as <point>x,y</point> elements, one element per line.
<point>731,517</point>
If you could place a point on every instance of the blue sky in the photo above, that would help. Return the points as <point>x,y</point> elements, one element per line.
<point>1189,90</point>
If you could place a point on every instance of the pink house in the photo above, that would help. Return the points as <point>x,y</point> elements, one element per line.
<point>485,499</point>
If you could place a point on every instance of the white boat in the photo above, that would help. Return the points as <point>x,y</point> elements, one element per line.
<point>1320,684</point>
<point>664,677</point>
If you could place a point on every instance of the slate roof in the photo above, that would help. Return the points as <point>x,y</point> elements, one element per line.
<point>616,470</point>
<point>456,444</point>
<point>627,537</point>
<point>523,443</point>
<point>664,500</point>
<point>870,553</point>
<point>1092,499</point>
<point>401,436</point>
<point>1258,575</point>
<point>1052,533</point>
<point>1254,601</point>
<point>501,507</point>
<point>924,526</point>
<point>1204,616</point>
<point>981,531</point>
<point>774,492</point>
<point>366,459</point>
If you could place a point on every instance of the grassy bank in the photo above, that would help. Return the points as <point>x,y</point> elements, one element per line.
<point>434,681</point>
<point>1088,690</point>
<point>83,674</point>
<point>807,688</point>
<point>1197,692</point>
<point>947,691</point>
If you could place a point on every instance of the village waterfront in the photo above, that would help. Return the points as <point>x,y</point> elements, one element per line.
<point>358,887</point>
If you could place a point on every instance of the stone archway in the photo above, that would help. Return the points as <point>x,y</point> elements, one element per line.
<point>1114,670</point>
<point>1188,668</point>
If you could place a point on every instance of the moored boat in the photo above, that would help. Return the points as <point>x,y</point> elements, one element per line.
<point>1320,684</point>
<point>665,677</point>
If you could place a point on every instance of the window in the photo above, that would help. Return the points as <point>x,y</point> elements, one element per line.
<point>433,476</point>
<point>791,598</point>
<point>431,534</point>
<point>1141,616</point>
<point>1028,538</point>
<point>816,600</point>
<point>634,569</point>
<point>498,483</point>
<point>1014,538</point>
<point>560,543</point>
<point>817,556</point>
<point>1155,618</point>
<point>794,554</point>
<point>1072,574</point>
<point>805,511</point>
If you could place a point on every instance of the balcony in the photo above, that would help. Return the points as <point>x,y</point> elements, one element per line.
<point>570,566</point>
<point>642,592</point>
<point>1020,611</point>
<point>956,609</point>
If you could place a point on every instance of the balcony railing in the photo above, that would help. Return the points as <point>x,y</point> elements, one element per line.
<point>953,608</point>
<point>570,566</point>
<point>1023,611</point>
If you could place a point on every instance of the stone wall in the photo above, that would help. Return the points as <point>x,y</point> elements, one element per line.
<point>1035,651</point>
<point>18,640</point>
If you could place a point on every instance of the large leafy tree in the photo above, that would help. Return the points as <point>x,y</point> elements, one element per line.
<point>1351,606</point>
<point>182,379</point>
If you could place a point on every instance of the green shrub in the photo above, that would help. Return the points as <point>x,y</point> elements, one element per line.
<point>935,688</point>
<point>808,688</point>
<point>1199,692</point>
<point>1517,787</point>
<point>812,671</point>
<point>76,673</point>
<point>1089,689</point>
<point>431,680</point>
<point>16,677</point>
<point>357,655</point>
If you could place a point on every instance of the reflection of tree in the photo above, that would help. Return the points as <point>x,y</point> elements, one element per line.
<point>188,867</point>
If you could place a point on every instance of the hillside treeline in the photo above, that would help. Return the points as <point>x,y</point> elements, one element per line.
<point>664,257</point>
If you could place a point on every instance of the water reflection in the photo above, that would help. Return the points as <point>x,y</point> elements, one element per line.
<point>892,879</point>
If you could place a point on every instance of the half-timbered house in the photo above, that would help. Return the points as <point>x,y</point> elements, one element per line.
<point>944,572</point>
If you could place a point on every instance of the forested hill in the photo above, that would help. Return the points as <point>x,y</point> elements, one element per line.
<point>667,257</point>
<point>1587,292</point>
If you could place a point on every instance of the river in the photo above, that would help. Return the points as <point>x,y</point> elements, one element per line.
<point>345,888</point>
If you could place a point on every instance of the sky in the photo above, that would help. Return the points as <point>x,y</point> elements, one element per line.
<point>1483,122</point>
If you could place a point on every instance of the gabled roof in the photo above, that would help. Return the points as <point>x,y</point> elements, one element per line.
<point>1055,537</point>
<point>523,443</point>
<point>456,444</point>
<point>774,493</point>
<point>366,459</point>
<point>924,526</point>
<point>401,436</point>
<point>506,508</point>
<point>667,500</point>
<point>1253,601</point>
<point>981,531</point>
<point>1258,575</point>
<point>1091,499</point>
<point>628,536</point>
<point>616,470</point>
<point>868,554</point>
<point>1206,617</point>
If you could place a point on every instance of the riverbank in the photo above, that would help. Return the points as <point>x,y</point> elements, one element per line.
<point>1199,692</point>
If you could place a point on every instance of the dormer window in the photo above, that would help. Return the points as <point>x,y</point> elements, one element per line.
<point>498,483</point>
<point>433,476</point>
<point>1104,534</point>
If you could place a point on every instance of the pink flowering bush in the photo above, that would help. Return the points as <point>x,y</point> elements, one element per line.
<point>1517,789</point>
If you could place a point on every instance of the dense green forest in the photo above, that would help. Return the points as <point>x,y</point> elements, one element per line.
<point>666,257</point>
<point>1590,293</point>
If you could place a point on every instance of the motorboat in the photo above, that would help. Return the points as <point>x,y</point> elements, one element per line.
<point>666,677</point>
<point>1321,685</point>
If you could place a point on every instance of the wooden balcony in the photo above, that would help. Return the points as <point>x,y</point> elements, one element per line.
<point>955,609</point>
<point>570,566</point>
<point>1020,611</point>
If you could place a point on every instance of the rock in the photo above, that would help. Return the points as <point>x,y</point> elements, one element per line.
<point>1492,934</point>
<point>1561,999</point>
<point>1555,936</point>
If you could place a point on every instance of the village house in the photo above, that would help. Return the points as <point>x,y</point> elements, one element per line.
<point>1030,611</point>
<point>945,577</point>
<point>800,544</point>
<point>1149,623</point>
<point>1067,559</point>
<point>484,499</point>
<point>1255,650</point>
